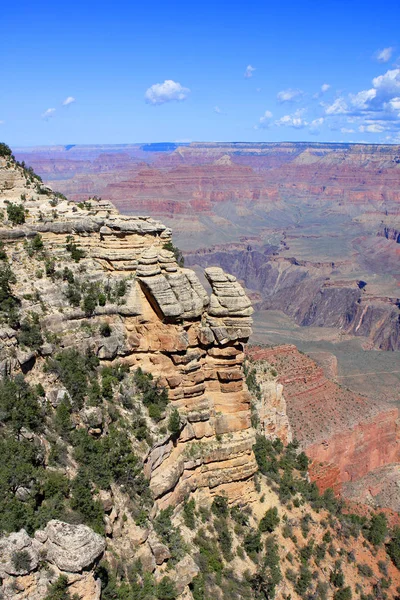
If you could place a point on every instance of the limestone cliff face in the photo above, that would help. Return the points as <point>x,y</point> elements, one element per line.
<point>166,324</point>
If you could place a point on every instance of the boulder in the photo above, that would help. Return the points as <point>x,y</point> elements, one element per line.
<point>12,561</point>
<point>160,551</point>
<point>72,547</point>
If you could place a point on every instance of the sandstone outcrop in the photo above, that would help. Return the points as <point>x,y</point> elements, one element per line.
<point>166,324</point>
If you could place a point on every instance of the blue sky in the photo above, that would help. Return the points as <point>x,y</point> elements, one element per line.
<point>114,72</point>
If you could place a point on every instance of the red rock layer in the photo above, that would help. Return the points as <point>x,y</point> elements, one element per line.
<point>344,434</point>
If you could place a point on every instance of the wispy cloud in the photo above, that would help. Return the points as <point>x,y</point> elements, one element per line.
<point>265,120</point>
<point>218,110</point>
<point>338,107</point>
<point>346,130</point>
<point>170,90</point>
<point>315,125</point>
<point>69,100</point>
<point>325,87</point>
<point>48,114</point>
<point>249,71</point>
<point>294,120</point>
<point>384,55</point>
<point>373,110</point>
<point>289,95</point>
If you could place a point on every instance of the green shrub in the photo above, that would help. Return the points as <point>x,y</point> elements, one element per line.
<point>220,506</point>
<point>111,459</point>
<point>174,422</point>
<point>197,587</point>
<point>269,521</point>
<point>189,513</point>
<point>59,590</point>
<point>209,559</point>
<point>90,511</point>
<point>365,570</point>
<point>16,213</point>
<point>5,151</point>
<point>30,334</point>
<point>50,267</point>
<point>35,245</point>
<point>303,580</point>
<point>21,467</point>
<point>169,534</point>
<point>343,594</point>
<point>337,578</point>
<point>252,543</point>
<point>376,531</point>
<point>3,253</point>
<point>62,419</point>
<point>224,537</point>
<point>21,560</point>
<point>73,294</point>
<point>105,330</point>
<point>9,304</point>
<point>89,303</point>
<point>154,397</point>
<point>76,253</point>
<point>19,406</point>
<point>74,370</point>
<point>176,252</point>
<point>166,589</point>
<point>393,547</point>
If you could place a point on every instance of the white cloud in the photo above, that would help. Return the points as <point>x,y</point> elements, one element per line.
<point>360,100</point>
<point>383,56</point>
<point>394,104</point>
<point>249,71</point>
<point>315,125</point>
<point>289,95</point>
<point>388,85</point>
<point>346,130</point>
<point>48,113</point>
<point>372,128</point>
<point>69,100</point>
<point>338,107</point>
<point>325,87</point>
<point>170,90</point>
<point>265,120</point>
<point>218,110</point>
<point>294,120</point>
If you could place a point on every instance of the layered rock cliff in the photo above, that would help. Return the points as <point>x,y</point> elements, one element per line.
<point>310,292</point>
<point>345,435</point>
<point>167,325</point>
<point>133,464</point>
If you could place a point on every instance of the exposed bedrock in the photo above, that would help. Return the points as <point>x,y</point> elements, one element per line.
<point>390,233</point>
<point>305,292</point>
<point>166,324</point>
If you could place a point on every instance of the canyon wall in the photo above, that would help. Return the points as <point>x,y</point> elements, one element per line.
<point>345,435</point>
<point>167,325</point>
<point>309,292</point>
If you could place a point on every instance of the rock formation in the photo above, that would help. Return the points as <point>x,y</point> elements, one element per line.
<point>99,323</point>
<point>167,325</point>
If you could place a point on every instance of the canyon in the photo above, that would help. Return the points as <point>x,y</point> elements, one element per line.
<point>315,222</point>
<point>347,436</point>
<point>189,328</point>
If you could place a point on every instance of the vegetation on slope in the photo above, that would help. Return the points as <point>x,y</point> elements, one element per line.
<point>64,452</point>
